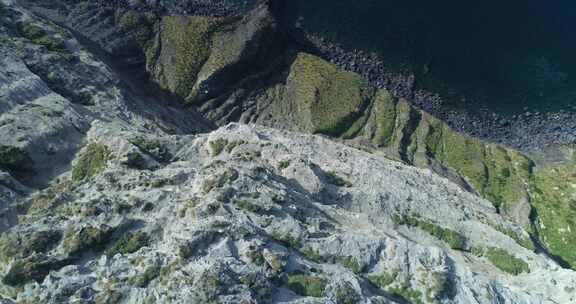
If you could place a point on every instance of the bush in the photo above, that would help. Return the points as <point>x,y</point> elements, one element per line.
<point>307,286</point>
<point>39,36</point>
<point>503,260</point>
<point>15,160</point>
<point>92,162</point>
<point>33,268</point>
<point>353,264</point>
<point>129,243</point>
<point>87,238</point>
<point>450,237</point>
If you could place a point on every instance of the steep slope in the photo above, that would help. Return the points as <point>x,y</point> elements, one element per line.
<point>108,193</point>
<point>258,215</point>
<point>245,69</point>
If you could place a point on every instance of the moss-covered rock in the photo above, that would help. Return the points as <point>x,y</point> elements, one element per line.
<point>15,161</point>
<point>92,162</point>
<point>503,260</point>
<point>33,268</point>
<point>39,36</point>
<point>305,285</point>
<point>450,237</point>
<point>78,241</point>
<point>185,47</point>
<point>328,99</point>
<point>129,243</point>
<point>554,200</point>
<point>19,245</point>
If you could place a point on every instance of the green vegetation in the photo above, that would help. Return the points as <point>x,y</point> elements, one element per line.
<point>18,245</point>
<point>33,268</point>
<point>187,41</point>
<point>39,36</point>
<point>312,255</point>
<point>334,179</point>
<point>345,294</point>
<point>153,148</point>
<point>411,295</point>
<point>86,239</point>
<point>522,240</point>
<point>386,282</point>
<point>143,279</point>
<point>450,237</point>
<point>218,181</point>
<point>439,286</point>
<point>15,160</point>
<point>383,280</point>
<point>307,286</point>
<point>353,264</point>
<point>383,118</point>
<point>287,240</point>
<point>502,260</point>
<point>217,146</point>
<point>554,202</point>
<point>283,164</point>
<point>129,243</point>
<point>330,99</point>
<point>91,162</point>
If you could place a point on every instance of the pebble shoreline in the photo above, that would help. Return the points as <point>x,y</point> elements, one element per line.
<point>527,132</point>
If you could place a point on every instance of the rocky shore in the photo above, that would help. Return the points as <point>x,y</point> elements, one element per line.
<point>528,131</point>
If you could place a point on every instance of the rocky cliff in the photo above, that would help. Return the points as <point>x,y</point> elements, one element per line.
<point>113,191</point>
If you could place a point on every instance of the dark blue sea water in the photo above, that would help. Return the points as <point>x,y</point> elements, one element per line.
<point>503,55</point>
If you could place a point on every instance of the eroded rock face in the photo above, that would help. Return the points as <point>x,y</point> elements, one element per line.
<point>231,217</point>
<point>112,190</point>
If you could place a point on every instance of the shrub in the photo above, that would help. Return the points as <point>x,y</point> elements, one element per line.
<point>450,237</point>
<point>33,268</point>
<point>142,280</point>
<point>129,243</point>
<point>503,260</point>
<point>287,241</point>
<point>15,160</point>
<point>353,264</point>
<point>307,286</point>
<point>87,238</point>
<point>383,280</point>
<point>217,146</point>
<point>92,162</point>
<point>283,164</point>
<point>39,36</point>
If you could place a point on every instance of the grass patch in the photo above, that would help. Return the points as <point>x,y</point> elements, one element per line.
<point>39,36</point>
<point>129,243</point>
<point>451,238</point>
<point>328,99</point>
<point>503,260</point>
<point>283,164</point>
<point>217,146</point>
<point>92,162</point>
<point>554,202</point>
<point>384,280</point>
<point>86,239</point>
<point>307,286</point>
<point>15,160</point>
<point>287,241</point>
<point>353,264</point>
<point>153,148</point>
<point>143,280</point>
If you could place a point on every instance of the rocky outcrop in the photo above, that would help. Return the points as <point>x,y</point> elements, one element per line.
<point>106,171</point>
<point>247,213</point>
